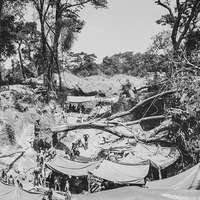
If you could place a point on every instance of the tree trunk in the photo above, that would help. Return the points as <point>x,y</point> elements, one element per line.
<point>58,19</point>
<point>1,8</point>
<point>44,51</point>
<point>21,62</point>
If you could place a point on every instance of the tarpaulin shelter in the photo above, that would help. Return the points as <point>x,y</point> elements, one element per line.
<point>135,193</point>
<point>85,99</point>
<point>182,181</point>
<point>107,99</point>
<point>160,157</point>
<point>10,192</point>
<point>70,167</point>
<point>120,173</point>
<point>80,99</point>
<point>131,159</point>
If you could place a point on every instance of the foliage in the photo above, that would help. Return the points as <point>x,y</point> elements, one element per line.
<point>60,21</point>
<point>133,64</point>
<point>27,38</point>
<point>83,64</point>
<point>7,37</point>
<point>182,17</point>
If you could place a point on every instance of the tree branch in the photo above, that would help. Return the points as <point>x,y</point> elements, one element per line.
<point>141,103</point>
<point>167,7</point>
<point>192,15</point>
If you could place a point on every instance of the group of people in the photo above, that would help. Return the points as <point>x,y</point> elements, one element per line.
<point>78,144</point>
<point>10,180</point>
<point>79,108</point>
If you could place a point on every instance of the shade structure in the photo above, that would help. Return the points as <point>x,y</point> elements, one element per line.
<point>138,193</point>
<point>130,159</point>
<point>120,173</point>
<point>113,99</point>
<point>70,167</point>
<point>160,157</point>
<point>181,181</point>
<point>9,192</point>
<point>80,99</point>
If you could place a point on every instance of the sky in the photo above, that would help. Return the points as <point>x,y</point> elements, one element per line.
<point>127,25</point>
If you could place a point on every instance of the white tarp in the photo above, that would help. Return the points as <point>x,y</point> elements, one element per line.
<point>160,157</point>
<point>139,193</point>
<point>181,181</point>
<point>85,99</point>
<point>131,159</point>
<point>80,99</point>
<point>131,174</point>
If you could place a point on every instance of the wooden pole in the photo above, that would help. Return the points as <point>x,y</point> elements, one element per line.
<point>89,180</point>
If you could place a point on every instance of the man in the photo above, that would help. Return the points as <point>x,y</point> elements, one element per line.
<point>68,194</point>
<point>86,136</point>
<point>37,128</point>
<point>50,193</point>
<point>11,180</point>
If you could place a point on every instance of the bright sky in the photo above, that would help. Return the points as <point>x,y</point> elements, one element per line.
<point>127,25</point>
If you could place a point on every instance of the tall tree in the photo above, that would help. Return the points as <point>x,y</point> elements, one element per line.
<point>10,11</point>
<point>183,17</point>
<point>53,20</point>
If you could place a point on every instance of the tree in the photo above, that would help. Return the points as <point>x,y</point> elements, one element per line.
<point>27,39</point>
<point>63,15</point>
<point>84,64</point>
<point>182,17</point>
<point>10,10</point>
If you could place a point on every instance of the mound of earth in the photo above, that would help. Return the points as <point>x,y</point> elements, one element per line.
<point>94,84</point>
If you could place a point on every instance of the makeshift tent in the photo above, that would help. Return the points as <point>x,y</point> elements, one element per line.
<point>85,99</point>
<point>130,174</point>
<point>182,181</point>
<point>9,192</point>
<point>80,99</point>
<point>70,167</point>
<point>107,99</point>
<point>160,157</point>
<point>135,193</point>
<point>131,159</point>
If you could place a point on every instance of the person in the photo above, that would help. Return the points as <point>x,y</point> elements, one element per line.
<point>37,128</point>
<point>36,173</point>
<point>3,174</point>
<point>4,177</point>
<point>86,136</point>
<point>11,180</point>
<point>19,184</point>
<point>68,194</point>
<point>50,193</point>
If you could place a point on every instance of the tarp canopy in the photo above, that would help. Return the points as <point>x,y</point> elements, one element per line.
<point>69,167</point>
<point>9,192</point>
<point>160,157</point>
<point>130,174</point>
<point>85,99</point>
<point>80,99</point>
<point>108,99</point>
<point>181,181</point>
<point>139,193</point>
<point>131,159</point>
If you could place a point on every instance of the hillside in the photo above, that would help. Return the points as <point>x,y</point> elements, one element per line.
<point>21,106</point>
